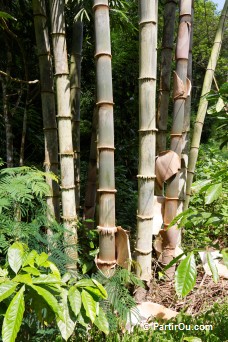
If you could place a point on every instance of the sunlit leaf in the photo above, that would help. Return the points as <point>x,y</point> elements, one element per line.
<point>185,277</point>
<point>13,317</point>
<point>213,193</point>
<point>75,300</point>
<point>213,267</point>
<point>15,256</point>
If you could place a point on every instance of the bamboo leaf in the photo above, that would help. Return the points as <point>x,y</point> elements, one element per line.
<point>101,322</point>
<point>13,317</point>
<point>192,339</point>
<point>75,300</point>
<point>225,256</point>
<point>213,193</point>
<point>89,304</point>
<point>15,256</point>
<point>213,267</point>
<point>6,289</point>
<point>185,276</point>
<point>66,325</point>
<point>50,299</point>
<point>6,16</point>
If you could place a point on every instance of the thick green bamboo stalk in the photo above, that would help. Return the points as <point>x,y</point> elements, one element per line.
<point>75,93</point>
<point>202,109</point>
<point>48,103</point>
<point>91,185</point>
<point>106,191</point>
<point>64,129</point>
<point>147,134</point>
<point>166,68</point>
<point>181,89</point>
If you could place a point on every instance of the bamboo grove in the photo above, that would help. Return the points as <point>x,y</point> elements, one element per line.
<point>166,160</point>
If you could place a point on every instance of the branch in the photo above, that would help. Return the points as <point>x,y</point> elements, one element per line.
<point>17,79</point>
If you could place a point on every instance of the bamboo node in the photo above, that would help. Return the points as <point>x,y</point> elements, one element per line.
<point>100,103</point>
<point>111,191</point>
<point>147,22</point>
<point>100,4</point>
<point>107,230</point>
<point>67,154</point>
<point>171,198</point>
<point>152,176</point>
<point>147,78</point>
<point>69,218</point>
<point>142,217</point>
<point>106,148</point>
<point>66,188</point>
<point>66,117</point>
<point>105,262</point>
<point>148,130</point>
<point>176,134</point>
<point>103,53</point>
<point>144,252</point>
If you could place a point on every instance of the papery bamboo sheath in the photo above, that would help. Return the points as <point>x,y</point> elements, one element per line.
<point>48,103</point>
<point>75,93</point>
<point>106,191</point>
<point>202,109</point>
<point>147,135</point>
<point>64,129</point>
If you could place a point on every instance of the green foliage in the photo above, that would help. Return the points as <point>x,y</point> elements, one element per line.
<point>57,295</point>
<point>218,101</point>
<point>119,298</point>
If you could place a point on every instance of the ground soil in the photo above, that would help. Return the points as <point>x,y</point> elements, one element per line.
<point>204,295</point>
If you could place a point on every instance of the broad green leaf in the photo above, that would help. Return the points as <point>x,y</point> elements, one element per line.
<point>101,289</point>
<point>185,276</point>
<point>101,322</point>
<point>83,319</point>
<point>213,267</point>
<point>50,299</point>
<point>95,292</point>
<point>85,282</point>
<point>220,105</point>
<point>89,304</point>
<point>53,268</point>
<point>13,317</point>
<point>198,185</point>
<point>225,256</point>
<point>30,258</point>
<point>23,278</point>
<point>66,277</point>
<point>75,300</point>
<point>41,258</point>
<point>6,289</point>
<point>192,339</point>
<point>213,193</point>
<point>32,270</point>
<point>15,256</point>
<point>47,279</point>
<point>66,325</point>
